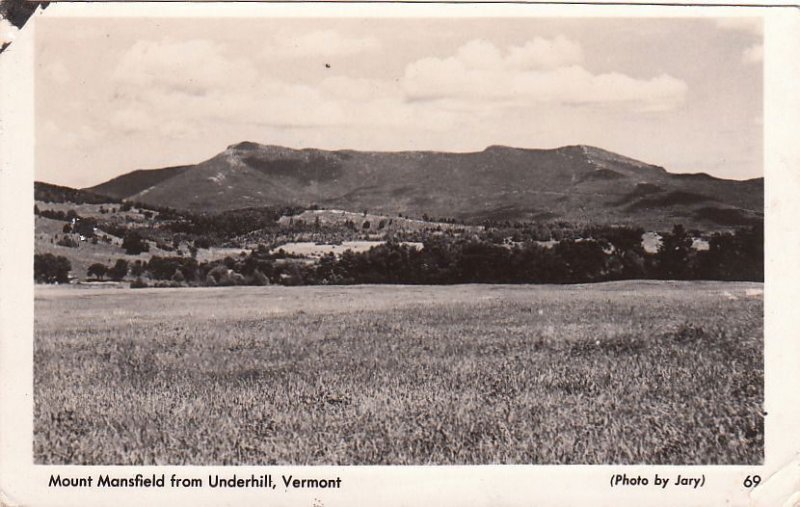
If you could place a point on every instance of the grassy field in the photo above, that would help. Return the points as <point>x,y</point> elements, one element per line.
<point>629,372</point>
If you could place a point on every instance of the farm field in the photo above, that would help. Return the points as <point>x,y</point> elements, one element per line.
<point>622,372</point>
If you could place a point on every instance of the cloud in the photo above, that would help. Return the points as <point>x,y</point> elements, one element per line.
<point>545,54</point>
<point>752,25</point>
<point>753,54</point>
<point>193,89</point>
<point>180,89</point>
<point>192,67</point>
<point>320,43</point>
<point>541,71</point>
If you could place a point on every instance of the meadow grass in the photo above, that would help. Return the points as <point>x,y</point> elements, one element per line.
<point>629,372</point>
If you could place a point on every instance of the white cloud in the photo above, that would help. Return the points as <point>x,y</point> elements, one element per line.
<point>190,89</point>
<point>8,32</point>
<point>542,53</point>
<point>320,43</point>
<point>752,25</point>
<point>178,89</point>
<point>193,67</point>
<point>753,54</point>
<point>529,74</point>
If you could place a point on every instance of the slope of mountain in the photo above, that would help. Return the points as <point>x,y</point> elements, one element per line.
<point>48,192</point>
<point>575,183</point>
<point>120,186</point>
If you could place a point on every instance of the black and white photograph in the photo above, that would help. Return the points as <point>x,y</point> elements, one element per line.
<point>397,240</point>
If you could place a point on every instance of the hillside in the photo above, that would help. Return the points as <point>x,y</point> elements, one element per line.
<point>47,192</point>
<point>573,183</point>
<point>120,186</point>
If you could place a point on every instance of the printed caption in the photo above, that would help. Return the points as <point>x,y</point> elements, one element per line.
<point>175,481</point>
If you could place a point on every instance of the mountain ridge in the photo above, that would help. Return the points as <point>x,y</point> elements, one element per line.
<point>575,182</point>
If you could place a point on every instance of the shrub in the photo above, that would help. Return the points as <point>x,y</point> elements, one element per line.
<point>138,283</point>
<point>97,270</point>
<point>67,242</point>
<point>178,276</point>
<point>220,276</point>
<point>202,242</point>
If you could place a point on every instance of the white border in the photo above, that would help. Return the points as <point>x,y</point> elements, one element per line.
<point>22,483</point>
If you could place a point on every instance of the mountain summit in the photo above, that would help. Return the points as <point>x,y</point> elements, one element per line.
<point>582,183</point>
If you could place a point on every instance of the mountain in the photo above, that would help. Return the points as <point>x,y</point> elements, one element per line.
<point>573,183</point>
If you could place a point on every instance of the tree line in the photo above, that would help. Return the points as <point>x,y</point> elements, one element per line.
<point>616,255</point>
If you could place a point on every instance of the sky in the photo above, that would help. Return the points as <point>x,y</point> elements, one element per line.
<point>119,94</point>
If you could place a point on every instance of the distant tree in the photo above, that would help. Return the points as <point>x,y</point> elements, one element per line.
<point>126,206</point>
<point>66,229</point>
<point>119,270</point>
<point>260,278</point>
<point>137,268</point>
<point>35,209</point>
<point>163,268</point>
<point>49,268</point>
<point>674,254</point>
<point>733,256</point>
<point>134,244</point>
<point>97,270</point>
<point>365,225</point>
<point>202,242</point>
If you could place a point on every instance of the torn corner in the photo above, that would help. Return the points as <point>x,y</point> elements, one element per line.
<point>13,16</point>
<point>6,501</point>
